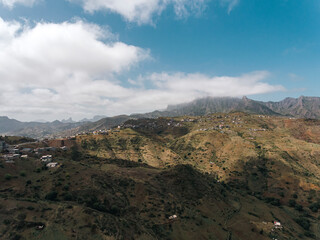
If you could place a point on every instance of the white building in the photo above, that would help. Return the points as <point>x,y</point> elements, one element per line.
<point>52,164</point>
<point>277,224</point>
<point>172,217</point>
<point>46,158</point>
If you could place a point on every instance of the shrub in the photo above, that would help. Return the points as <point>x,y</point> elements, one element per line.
<point>292,203</point>
<point>8,176</point>
<point>16,237</point>
<point>52,196</point>
<point>298,207</point>
<point>114,210</point>
<point>273,201</point>
<point>22,216</point>
<point>314,207</point>
<point>304,223</point>
<point>99,206</point>
<point>309,234</point>
<point>6,222</point>
<point>22,173</point>
<point>68,197</point>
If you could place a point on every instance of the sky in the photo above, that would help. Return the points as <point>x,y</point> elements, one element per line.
<point>80,58</point>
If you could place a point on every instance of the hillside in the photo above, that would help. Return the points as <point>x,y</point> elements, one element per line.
<point>225,176</point>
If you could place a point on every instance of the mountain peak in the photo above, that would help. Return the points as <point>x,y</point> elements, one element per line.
<point>245,98</point>
<point>69,120</point>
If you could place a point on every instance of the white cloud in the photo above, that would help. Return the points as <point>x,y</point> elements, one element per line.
<point>12,3</point>
<point>203,85</point>
<point>7,31</point>
<point>62,67</point>
<point>142,11</point>
<point>53,71</point>
<point>181,87</point>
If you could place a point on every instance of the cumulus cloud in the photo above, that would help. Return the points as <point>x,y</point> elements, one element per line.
<point>142,11</point>
<point>61,66</point>
<point>12,3</point>
<point>53,71</point>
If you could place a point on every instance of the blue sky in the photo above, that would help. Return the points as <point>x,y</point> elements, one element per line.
<point>150,53</point>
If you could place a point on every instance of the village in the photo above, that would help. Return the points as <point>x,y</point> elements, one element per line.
<point>214,122</point>
<point>10,153</point>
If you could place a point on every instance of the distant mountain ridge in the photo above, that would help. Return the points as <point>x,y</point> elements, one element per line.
<point>33,129</point>
<point>204,106</point>
<point>94,119</point>
<point>302,107</point>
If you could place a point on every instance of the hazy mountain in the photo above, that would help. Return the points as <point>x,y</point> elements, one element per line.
<point>94,119</point>
<point>33,129</point>
<point>204,106</point>
<point>8,125</point>
<point>69,120</point>
<point>302,107</point>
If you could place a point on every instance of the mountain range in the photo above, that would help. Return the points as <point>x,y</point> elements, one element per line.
<point>302,107</point>
<point>33,129</point>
